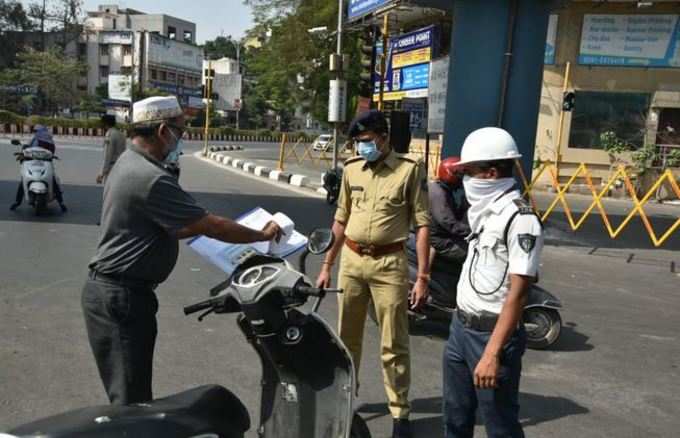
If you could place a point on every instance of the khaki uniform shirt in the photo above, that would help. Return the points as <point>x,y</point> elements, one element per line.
<point>114,146</point>
<point>379,204</point>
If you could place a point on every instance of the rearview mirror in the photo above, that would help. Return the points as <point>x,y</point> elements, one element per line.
<point>16,142</point>
<point>320,240</point>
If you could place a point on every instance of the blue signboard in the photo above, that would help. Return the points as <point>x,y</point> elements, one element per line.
<point>358,8</point>
<point>551,40</point>
<point>631,40</point>
<point>407,64</point>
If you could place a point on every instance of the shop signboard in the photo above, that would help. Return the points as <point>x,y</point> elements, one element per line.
<point>436,98</point>
<point>359,8</point>
<point>631,40</point>
<point>407,65</point>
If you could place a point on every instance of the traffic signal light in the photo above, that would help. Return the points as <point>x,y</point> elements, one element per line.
<point>367,41</point>
<point>568,101</point>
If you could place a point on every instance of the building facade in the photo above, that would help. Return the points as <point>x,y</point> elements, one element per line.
<point>154,50</point>
<point>624,71</point>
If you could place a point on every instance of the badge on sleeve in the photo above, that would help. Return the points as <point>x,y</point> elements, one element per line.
<point>527,242</point>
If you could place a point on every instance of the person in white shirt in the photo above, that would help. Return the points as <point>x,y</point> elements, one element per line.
<point>483,356</point>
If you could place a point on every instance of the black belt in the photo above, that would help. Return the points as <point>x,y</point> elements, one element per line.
<point>482,323</point>
<point>122,280</point>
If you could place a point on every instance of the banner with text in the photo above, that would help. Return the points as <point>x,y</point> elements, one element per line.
<point>631,40</point>
<point>359,8</point>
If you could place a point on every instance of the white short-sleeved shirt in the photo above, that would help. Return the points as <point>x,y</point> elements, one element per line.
<point>485,280</point>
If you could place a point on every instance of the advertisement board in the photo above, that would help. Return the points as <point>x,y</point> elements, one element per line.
<point>436,97</point>
<point>228,86</point>
<point>120,87</point>
<point>631,40</point>
<point>115,37</point>
<point>167,52</point>
<point>551,41</point>
<point>407,64</point>
<point>359,8</point>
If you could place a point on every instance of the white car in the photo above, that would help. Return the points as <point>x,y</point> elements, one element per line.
<point>324,143</point>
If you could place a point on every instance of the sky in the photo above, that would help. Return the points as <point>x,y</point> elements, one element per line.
<point>212,17</point>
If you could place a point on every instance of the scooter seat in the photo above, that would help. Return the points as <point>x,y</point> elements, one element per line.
<point>203,410</point>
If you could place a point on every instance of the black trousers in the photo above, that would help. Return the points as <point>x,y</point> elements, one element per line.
<point>57,193</point>
<point>121,326</point>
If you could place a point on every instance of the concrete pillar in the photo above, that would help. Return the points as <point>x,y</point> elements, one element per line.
<point>478,47</point>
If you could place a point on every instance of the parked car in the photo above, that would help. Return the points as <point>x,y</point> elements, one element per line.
<point>324,143</point>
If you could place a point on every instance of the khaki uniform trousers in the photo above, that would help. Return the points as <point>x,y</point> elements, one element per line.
<point>385,279</point>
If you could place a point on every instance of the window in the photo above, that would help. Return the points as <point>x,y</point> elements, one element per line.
<point>172,32</point>
<point>188,36</point>
<point>171,77</point>
<point>127,50</point>
<point>114,24</point>
<point>154,74</point>
<point>104,72</point>
<point>126,71</point>
<point>598,112</point>
<point>180,80</point>
<point>104,50</point>
<point>163,76</point>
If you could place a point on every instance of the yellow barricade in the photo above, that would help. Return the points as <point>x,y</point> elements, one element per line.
<point>621,174</point>
<point>299,152</point>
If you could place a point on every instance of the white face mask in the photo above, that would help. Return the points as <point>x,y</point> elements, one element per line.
<point>481,193</point>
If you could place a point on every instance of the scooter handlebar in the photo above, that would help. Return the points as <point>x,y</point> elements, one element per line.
<point>203,305</point>
<point>315,291</point>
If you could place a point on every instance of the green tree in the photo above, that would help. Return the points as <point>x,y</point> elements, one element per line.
<point>51,73</point>
<point>290,70</point>
<point>221,47</point>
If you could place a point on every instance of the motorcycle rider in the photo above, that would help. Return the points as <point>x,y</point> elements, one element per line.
<point>41,139</point>
<point>483,356</point>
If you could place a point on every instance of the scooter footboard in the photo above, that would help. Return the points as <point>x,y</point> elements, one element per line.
<point>308,379</point>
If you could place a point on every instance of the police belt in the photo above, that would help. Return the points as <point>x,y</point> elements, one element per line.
<point>482,323</point>
<point>122,280</point>
<point>374,250</point>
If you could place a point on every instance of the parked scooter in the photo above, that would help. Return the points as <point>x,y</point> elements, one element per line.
<point>37,176</point>
<point>308,381</point>
<point>541,316</point>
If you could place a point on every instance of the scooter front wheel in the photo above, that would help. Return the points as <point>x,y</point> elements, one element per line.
<point>543,327</point>
<point>40,204</point>
<point>359,428</point>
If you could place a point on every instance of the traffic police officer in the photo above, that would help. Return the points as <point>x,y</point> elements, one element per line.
<point>483,355</point>
<point>383,194</point>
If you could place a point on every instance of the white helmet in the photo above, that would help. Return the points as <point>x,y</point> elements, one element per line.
<point>489,144</point>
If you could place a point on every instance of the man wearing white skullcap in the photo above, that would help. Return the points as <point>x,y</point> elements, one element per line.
<point>145,212</point>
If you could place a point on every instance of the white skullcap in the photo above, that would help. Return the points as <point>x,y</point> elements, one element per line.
<point>155,109</point>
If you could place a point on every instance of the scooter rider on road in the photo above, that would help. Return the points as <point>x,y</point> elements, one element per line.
<point>483,356</point>
<point>41,139</point>
<point>145,213</point>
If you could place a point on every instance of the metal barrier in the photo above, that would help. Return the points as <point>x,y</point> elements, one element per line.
<point>620,174</point>
<point>300,152</point>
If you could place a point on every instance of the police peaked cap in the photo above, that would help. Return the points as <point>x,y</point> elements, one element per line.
<point>372,120</point>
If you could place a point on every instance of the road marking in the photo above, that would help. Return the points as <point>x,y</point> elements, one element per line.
<point>308,193</point>
<point>658,338</point>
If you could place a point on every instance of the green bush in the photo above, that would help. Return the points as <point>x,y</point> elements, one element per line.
<point>10,117</point>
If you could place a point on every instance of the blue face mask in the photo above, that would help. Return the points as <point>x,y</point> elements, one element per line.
<point>368,150</point>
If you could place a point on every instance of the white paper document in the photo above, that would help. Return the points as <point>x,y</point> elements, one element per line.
<point>227,256</point>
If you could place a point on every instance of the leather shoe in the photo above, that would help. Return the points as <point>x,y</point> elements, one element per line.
<point>401,428</point>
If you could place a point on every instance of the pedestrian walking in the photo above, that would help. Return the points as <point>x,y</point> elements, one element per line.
<point>114,145</point>
<point>382,194</point>
<point>483,356</point>
<point>144,215</point>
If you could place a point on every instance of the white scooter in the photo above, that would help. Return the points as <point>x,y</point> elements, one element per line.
<point>37,176</point>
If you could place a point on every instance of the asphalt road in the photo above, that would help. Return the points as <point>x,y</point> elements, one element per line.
<point>614,371</point>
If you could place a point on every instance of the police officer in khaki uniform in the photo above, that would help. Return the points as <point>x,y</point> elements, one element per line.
<point>383,195</point>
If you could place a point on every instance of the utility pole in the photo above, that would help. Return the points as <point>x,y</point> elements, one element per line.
<point>338,88</point>
<point>208,88</point>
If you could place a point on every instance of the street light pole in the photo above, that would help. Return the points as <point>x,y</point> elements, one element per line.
<point>338,76</point>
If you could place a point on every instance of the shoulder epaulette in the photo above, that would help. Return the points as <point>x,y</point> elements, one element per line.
<point>410,158</point>
<point>353,160</point>
<point>523,206</point>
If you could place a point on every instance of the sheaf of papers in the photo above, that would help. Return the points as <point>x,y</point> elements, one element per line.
<point>227,256</point>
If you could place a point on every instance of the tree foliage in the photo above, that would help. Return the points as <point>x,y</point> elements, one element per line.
<point>290,70</point>
<point>51,73</point>
<point>220,47</point>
